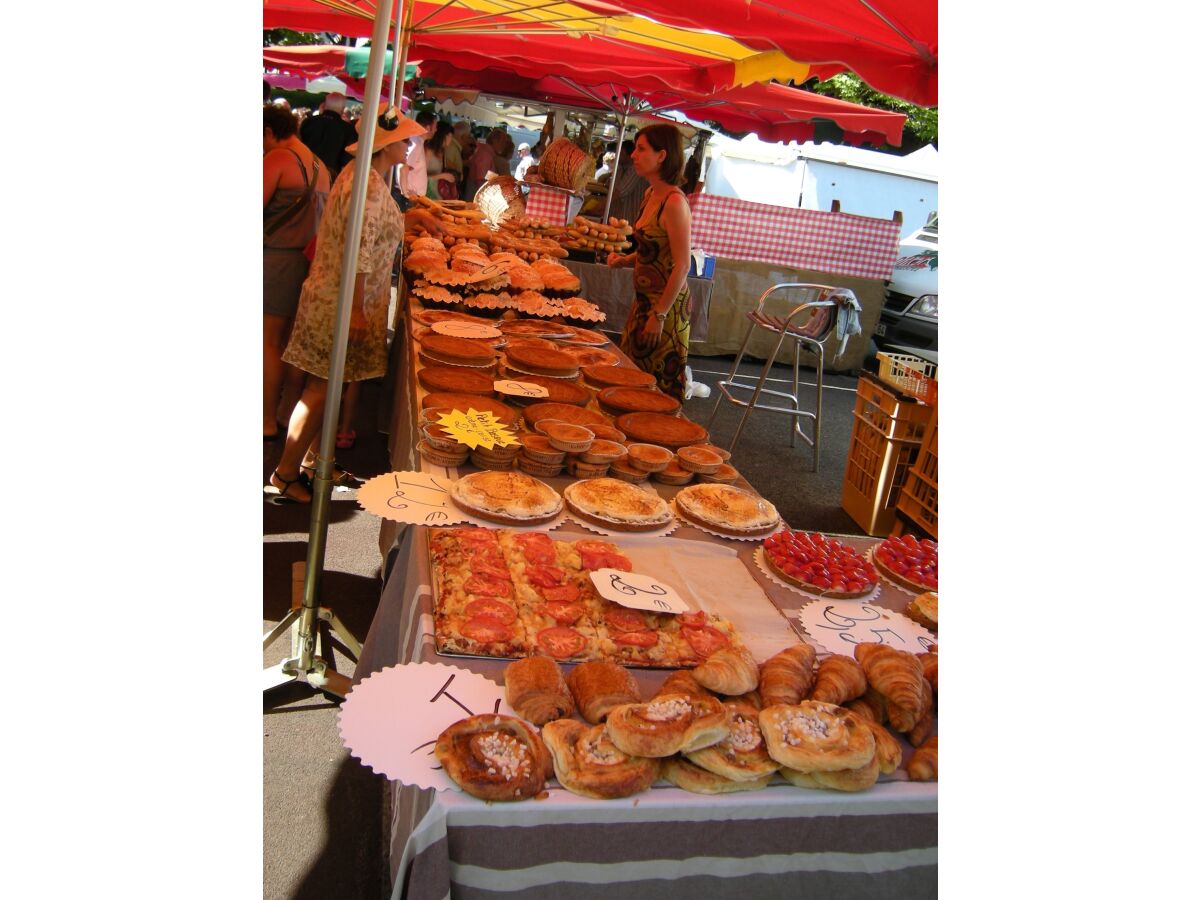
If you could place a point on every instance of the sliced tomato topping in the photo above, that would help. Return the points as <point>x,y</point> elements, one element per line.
<point>637,638</point>
<point>561,642</point>
<point>494,608</point>
<point>705,640</point>
<point>488,587</point>
<point>537,548</point>
<point>476,535</point>
<point>563,593</point>
<point>487,629</point>
<point>692,619</point>
<point>485,568</point>
<point>596,547</point>
<point>618,561</point>
<point>563,613</point>
<point>618,618</point>
<point>545,576</point>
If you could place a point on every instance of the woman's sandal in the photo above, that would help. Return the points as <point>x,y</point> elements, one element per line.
<point>284,488</point>
<point>340,477</point>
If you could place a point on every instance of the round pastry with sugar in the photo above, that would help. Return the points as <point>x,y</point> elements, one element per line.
<point>816,737</point>
<point>668,724</point>
<point>742,756</point>
<point>586,762</point>
<point>494,757</point>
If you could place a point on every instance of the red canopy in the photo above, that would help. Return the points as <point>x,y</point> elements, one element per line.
<point>892,44</point>
<point>772,111</point>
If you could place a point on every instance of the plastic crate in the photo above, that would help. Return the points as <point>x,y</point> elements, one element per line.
<point>894,415</point>
<point>912,375</point>
<point>876,468</point>
<point>918,498</point>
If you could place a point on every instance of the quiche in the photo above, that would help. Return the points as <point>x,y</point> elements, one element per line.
<point>616,504</point>
<point>511,594</point>
<point>726,509</point>
<point>508,497</point>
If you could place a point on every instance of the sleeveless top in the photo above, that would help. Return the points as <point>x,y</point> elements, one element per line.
<point>296,234</point>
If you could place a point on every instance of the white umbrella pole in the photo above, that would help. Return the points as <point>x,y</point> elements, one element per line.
<point>612,177</point>
<point>308,665</point>
<point>399,59</point>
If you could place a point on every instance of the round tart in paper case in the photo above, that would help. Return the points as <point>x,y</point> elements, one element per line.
<point>538,469</point>
<point>577,469</point>
<point>602,452</point>
<point>727,509</point>
<point>649,457</point>
<point>699,460</point>
<point>626,471</point>
<point>439,439</point>
<point>506,497</point>
<point>441,457</point>
<point>495,757</point>
<point>538,449</point>
<point>816,737</point>
<point>725,474</point>
<point>617,504</point>
<point>674,474</point>
<point>567,437</point>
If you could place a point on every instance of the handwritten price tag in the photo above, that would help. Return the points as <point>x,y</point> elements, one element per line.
<point>466,329</point>
<point>414,498</point>
<point>392,719</point>
<point>839,625</point>
<point>520,389</point>
<point>477,429</point>
<point>637,591</point>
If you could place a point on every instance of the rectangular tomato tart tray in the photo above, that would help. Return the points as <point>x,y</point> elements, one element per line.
<point>503,594</point>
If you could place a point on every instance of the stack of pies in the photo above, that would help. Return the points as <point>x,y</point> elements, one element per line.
<point>661,429</point>
<point>538,457</point>
<point>499,458</point>
<point>619,400</point>
<point>442,349</point>
<point>700,460</point>
<point>617,505</point>
<point>560,390</point>
<point>455,400</point>
<point>563,412</point>
<point>554,363</point>
<point>511,498</point>
<point>616,376</point>
<point>456,380</point>
<point>727,510</point>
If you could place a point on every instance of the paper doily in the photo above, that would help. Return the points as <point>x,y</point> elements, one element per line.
<point>870,555</point>
<point>761,562</point>
<point>840,625</point>
<point>554,523</point>
<point>391,719</point>
<point>614,532</point>
<point>729,537</point>
<point>414,498</point>
<point>513,368</point>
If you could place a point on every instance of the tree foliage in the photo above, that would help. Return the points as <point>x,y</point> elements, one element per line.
<point>920,128</point>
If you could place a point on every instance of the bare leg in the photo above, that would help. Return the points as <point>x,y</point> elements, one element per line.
<point>304,430</point>
<point>349,405</point>
<point>275,331</point>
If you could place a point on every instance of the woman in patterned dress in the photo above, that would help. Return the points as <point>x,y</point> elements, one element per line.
<point>311,344</point>
<point>659,325</point>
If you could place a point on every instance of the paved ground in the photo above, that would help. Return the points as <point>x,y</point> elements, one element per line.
<point>323,816</point>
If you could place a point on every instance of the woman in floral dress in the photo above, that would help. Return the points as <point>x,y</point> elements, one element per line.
<point>311,344</point>
<point>659,325</point>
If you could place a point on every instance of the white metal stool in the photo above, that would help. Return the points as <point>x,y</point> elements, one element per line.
<point>822,300</point>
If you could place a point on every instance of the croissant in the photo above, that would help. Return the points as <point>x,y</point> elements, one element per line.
<point>682,681</point>
<point>887,749</point>
<point>785,678</point>
<point>898,676</point>
<point>730,671</point>
<point>839,679</point>
<point>924,726</point>
<point>535,689</point>
<point>929,664</point>
<point>923,765</point>
<point>870,705</point>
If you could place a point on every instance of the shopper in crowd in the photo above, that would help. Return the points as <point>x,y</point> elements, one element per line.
<point>452,159</point>
<point>483,161</point>
<point>524,161</point>
<point>605,165</point>
<point>442,184</point>
<point>659,324</point>
<point>328,134</point>
<point>505,151</point>
<point>416,177</point>
<point>295,185</point>
<point>311,345</point>
<point>629,187</point>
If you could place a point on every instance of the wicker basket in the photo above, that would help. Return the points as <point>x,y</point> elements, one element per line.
<point>501,199</point>
<point>566,166</point>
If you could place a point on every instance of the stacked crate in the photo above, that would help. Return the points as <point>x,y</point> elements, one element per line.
<point>889,428</point>
<point>918,497</point>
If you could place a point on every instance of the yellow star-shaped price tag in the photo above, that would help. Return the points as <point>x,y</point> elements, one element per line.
<point>477,429</point>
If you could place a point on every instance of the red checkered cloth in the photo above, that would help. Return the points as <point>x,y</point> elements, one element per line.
<point>547,204</point>
<point>837,243</point>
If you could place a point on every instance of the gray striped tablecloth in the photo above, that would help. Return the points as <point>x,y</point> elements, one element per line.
<point>778,842</point>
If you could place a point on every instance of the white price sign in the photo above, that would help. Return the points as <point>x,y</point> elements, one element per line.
<point>638,591</point>
<point>839,625</point>
<point>520,389</point>
<point>455,328</point>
